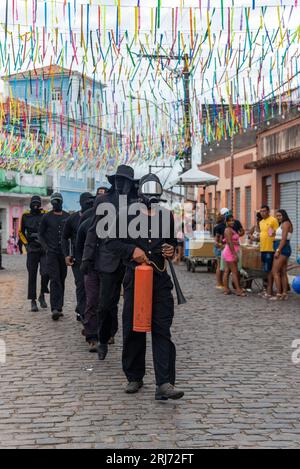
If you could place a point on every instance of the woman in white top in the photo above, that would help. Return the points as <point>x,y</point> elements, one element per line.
<point>283,251</point>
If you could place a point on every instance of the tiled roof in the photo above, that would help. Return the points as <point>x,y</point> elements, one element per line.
<point>51,70</point>
<point>47,72</point>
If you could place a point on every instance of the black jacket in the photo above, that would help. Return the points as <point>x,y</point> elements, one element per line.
<point>70,233</point>
<point>95,249</point>
<point>150,242</point>
<point>51,232</point>
<point>81,238</point>
<point>29,230</point>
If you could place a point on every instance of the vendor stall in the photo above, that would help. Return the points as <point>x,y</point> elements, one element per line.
<point>252,274</point>
<point>199,245</point>
<point>200,252</point>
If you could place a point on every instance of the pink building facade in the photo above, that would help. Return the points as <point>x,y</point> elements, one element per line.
<point>245,196</point>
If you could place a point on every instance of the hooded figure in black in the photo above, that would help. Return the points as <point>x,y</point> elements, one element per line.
<point>91,283</point>
<point>50,235</point>
<point>152,241</point>
<point>108,264</point>
<point>36,256</point>
<point>69,242</point>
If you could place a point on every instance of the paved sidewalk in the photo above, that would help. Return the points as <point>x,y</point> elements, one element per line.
<point>234,363</point>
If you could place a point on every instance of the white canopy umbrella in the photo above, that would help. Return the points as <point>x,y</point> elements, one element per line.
<point>195,177</point>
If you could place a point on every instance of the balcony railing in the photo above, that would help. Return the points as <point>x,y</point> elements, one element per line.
<point>7,181</point>
<point>13,182</point>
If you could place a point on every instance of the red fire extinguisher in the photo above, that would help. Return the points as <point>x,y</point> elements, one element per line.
<point>143,298</point>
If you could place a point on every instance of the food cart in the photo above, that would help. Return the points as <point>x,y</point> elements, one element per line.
<point>200,252</point>
<point>199,245</point>
<point>252,276</point>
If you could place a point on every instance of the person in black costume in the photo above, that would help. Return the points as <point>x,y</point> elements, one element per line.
<point>69,241</point>
<point>154,243</point>
<point>108,264</point>
<point>50,235</point>
<point>36,256</point>
<point>91,283</point>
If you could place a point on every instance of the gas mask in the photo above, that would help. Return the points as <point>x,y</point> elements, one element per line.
<point>57,205</point>
<point>150,190</point>
<point>123,185</point>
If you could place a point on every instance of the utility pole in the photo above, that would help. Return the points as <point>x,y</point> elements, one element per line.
<point>162,166</point>
<point>187,152</point>
<point>187,115</point>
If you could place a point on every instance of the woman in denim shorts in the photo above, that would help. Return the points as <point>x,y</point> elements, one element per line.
<point>283,251</point>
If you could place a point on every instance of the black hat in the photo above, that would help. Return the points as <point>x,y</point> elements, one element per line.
<point>85,197</point>
<point>123,171</point>
<point>36,200</point>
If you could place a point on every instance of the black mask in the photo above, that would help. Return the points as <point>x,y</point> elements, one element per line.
<point>35,209</point>
<point>57,205</point>
<point>123,185</point>
<point>87,205</point>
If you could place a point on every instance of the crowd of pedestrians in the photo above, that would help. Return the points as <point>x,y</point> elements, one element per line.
<point>273,237</point>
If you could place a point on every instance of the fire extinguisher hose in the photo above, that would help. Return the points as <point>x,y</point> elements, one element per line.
<point>157,268</point>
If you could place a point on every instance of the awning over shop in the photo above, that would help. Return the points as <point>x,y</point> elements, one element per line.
<point>194,177</point>
<point>274,159</point>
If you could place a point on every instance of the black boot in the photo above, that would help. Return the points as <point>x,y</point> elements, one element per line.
<point>34,307</point>
<point>102,351</point>
<point>42,301</point>
<point>56,315</point>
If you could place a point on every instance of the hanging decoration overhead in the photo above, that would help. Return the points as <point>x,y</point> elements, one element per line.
<point>92,83</point>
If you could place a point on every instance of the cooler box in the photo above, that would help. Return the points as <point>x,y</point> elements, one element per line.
<point>186,247</point>
<point>204,235</point>
<point>203,248</point>
<point>251,257</point>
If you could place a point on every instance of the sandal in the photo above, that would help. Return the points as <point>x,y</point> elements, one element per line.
<point>278,297</point>
<point>227,292</point>
<point>242,294</point>
<point>266,296</point>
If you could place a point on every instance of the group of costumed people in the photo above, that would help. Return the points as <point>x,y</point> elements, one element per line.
<point>102,263</point>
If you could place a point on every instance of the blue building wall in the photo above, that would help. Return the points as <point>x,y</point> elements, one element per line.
<point>38,92</point>
<point>71,200</point>
<point>71,188</point>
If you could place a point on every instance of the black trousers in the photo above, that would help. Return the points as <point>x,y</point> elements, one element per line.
<point>110,291</point>
<point>134,343</point>
<point>90,322</point>
<point>80,289</point>
<point>57,271</point>
<point>34,261</point>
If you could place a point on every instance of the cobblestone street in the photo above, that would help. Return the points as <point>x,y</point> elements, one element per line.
<point>234,364</point>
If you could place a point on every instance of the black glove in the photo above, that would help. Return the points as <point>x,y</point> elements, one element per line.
<point>87,267</point>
